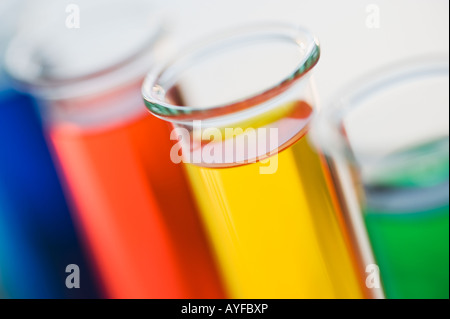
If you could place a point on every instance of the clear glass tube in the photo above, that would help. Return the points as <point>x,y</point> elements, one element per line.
<point>112,154</point>
<point>387,137</point>
<point>240,105</point>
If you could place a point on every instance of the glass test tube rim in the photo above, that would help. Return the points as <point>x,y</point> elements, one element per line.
<point>329,135</point>
<point>328,131</point>
<point>31,77</point>
<point>74,96</point>
<point>154,93</point>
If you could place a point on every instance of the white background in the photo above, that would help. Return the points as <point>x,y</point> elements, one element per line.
<point>408,28</point>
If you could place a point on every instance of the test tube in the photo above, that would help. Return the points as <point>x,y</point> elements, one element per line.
<point>38,239</point>
<point>37,235</point>
<point>240,105</point>
<point>135,212</point>
<point>387,138</point>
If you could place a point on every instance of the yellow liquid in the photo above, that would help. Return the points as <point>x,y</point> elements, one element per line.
<point>276,235</point>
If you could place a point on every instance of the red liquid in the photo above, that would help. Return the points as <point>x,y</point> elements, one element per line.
<point>135,210</point>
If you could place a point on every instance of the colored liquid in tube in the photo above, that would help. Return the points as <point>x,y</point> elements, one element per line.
<point>135,209</point>
<point>407,218</point>
<point>277,235</point>
<point>131,202</point>
<point>37,236</point>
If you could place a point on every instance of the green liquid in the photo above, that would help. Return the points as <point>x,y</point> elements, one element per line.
<point>412,251</point>
<point>407,219</point>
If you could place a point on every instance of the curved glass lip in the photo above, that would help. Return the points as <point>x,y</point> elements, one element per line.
<point>328,131</point>
<point>154,94</point>
<point>117,73</point>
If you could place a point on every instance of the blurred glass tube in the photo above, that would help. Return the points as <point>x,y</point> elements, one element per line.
<point>131,200</point>
<point>37,237</point>
<point>389,137</point>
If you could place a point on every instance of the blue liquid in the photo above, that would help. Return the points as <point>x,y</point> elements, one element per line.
<point>37,236</point>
